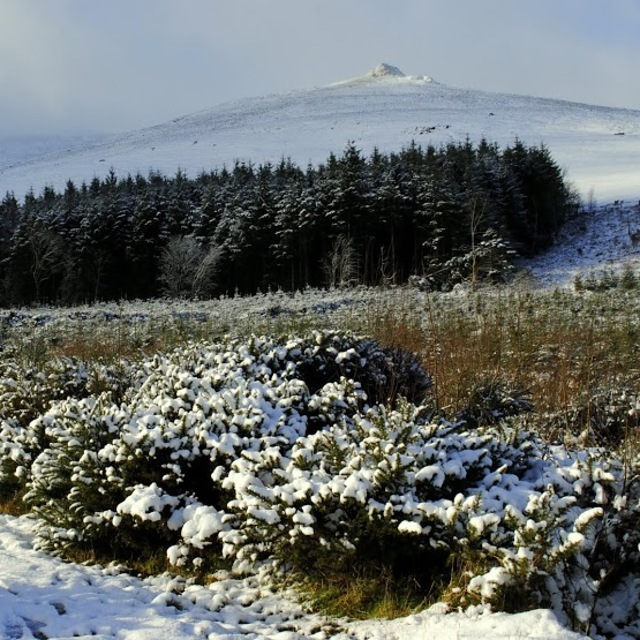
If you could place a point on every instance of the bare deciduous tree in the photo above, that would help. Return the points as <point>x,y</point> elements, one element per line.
<point>341,265</point>
<point>47,251</point>
<point>476,220</point>
<point>187,269</point>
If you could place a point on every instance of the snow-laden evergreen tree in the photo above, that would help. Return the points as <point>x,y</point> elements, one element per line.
<point>422,212</point>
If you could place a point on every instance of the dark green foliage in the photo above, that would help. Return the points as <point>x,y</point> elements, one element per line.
<point>383,373</point>
<point>491,402</point>
<point>458,213</point>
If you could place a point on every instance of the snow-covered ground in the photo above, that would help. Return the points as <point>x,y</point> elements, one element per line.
<point>605,238</point>
<point>42,597</point>
<point>598,146</point>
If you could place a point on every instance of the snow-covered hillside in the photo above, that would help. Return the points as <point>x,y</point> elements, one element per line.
<point>603,239</point>
<point>599,146</point>
<point>15,150</point>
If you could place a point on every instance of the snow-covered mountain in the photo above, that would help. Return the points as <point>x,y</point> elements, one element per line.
<point>599,146</point>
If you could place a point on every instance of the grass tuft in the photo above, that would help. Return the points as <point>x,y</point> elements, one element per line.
<point>363,596</point>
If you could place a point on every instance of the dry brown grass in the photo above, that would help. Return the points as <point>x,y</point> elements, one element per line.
<point>559,347</point>
<point>365,596</point>
<point>12,504</point>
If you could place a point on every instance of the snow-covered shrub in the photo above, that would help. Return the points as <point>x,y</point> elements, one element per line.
<point>383,374</point>
<point>69,482</point>
<point>192,415</point>
<point>385,490</point>
<point>16,445</point>
<point>515,526</point>
<point>26,393</point>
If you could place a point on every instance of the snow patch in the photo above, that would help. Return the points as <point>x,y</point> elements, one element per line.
<point>604,238</point>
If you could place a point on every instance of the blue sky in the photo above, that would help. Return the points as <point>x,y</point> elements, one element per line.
<point>116,65</point>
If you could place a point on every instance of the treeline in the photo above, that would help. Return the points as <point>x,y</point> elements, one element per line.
<point>461,212</point>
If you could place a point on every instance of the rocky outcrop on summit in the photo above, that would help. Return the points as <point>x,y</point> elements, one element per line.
<point>384,70</point>
<point>387,73</point>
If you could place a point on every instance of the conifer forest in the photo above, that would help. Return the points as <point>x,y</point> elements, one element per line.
<point>457,213</point>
